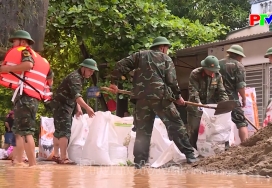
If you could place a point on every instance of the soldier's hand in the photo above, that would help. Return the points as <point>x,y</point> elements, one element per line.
<point>90,112</point>
<point>180,101</point>
<point>114,88</point>
<point>243,102</point>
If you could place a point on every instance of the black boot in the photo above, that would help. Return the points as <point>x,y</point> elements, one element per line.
<point>191,158</point>
<point>139,165</point>
<point>227,146</point>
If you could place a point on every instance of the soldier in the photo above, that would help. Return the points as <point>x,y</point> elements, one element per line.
<point>35,71</point>
<point>204,83</point>
<point>233,73</point>
<point>66,99</point>
<point>155,87</point>
<point>268,54</point>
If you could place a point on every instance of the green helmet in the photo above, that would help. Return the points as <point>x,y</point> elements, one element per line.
<point>160,41</point>
<point>89,63</point>
<point>268,52</point>
<point>237,49</point>
<point>210,63</point>
<point>21,34</point>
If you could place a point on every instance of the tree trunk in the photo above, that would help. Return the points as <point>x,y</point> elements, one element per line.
<point>29,15</point>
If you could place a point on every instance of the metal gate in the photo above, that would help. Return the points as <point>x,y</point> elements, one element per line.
<point>256,77</point>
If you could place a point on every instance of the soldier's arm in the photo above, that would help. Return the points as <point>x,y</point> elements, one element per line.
<point>222,94</point>
<point>26,64</point>
<point>124,66</point>
<point>193,88</point>
<point>171,78</point>
<point>75,85</point>
<point>49,77</point>
<point>240,81</point>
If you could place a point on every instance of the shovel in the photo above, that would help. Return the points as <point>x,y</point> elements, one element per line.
<point>119,90</point>
<point>222,107</point>
<point>250,122</point>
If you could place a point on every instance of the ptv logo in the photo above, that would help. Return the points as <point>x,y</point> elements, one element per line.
<point>262,18</point>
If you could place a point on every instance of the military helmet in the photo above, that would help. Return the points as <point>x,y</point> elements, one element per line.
<point>210,63</point>
<point>89,63</point>
<point>237,49</point>
<point>160,41</point>
<point>21,34</point>
<point>268,52</point>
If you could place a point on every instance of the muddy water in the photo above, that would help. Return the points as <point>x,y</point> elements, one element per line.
<point>53,176</point>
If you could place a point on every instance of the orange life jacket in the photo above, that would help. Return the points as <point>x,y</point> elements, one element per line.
<point>36,77</point>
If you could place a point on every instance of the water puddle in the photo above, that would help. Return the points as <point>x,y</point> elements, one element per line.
<point>50,175</point>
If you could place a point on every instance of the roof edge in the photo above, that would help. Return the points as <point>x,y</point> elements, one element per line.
<point>201,48</point>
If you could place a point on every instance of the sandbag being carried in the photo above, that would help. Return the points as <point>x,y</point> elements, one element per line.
<point>101,142</point>
<point>214,131</point>
<point>79,133</point>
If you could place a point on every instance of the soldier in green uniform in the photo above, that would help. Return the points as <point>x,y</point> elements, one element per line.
<point>25,107</point>
<point>268,54</point>
<point>66,98</point>
<point>233,73</point>
<point>205,87</point>
<point>155,88</point>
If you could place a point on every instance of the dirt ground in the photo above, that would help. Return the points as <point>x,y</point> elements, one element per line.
<point>254,157</point>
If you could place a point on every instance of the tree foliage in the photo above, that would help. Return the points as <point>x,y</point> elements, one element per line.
<point>111,30</point>
<point>114,29</point>
<point>231,13</point>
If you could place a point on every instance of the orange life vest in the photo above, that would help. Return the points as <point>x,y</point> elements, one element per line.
<point>36,77</point>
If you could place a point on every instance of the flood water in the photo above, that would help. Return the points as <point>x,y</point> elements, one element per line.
<point>50,175</point>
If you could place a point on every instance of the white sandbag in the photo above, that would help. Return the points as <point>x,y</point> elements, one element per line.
<point>96,148</point>
<point>131,146</point>
<point>46,149</point>
<point>79,133</point>
<point>214,131</point>
<point>122,127</point>
<point>162,150</point>
<point>118,154</point>
<point>159,141</point>
<point>3,154</point>
<point>171,153</point>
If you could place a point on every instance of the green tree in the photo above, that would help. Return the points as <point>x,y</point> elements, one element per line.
<point>114,29</point>
<point>231,13</point>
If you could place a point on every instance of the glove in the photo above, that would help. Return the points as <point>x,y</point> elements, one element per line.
<point>200,108</point>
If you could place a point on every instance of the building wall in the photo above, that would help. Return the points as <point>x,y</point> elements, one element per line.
<point>261,7</point>
<point>184,67</point>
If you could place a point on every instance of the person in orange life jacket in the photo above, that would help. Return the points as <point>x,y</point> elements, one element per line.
<point>26,62</point>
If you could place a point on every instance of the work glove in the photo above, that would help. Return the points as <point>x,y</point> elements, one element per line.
<point>200,108</point>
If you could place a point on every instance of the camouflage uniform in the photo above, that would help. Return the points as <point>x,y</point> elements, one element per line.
<point>153,96</point>
<point>25,107</point>
<point>64,103</point>
<point>206,90</point>
<point>233,73</point>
